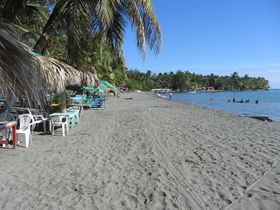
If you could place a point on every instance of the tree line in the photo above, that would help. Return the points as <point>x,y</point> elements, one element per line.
<point>185,80</point>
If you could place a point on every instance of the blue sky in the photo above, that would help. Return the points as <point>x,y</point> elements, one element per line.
<point>214,36</point>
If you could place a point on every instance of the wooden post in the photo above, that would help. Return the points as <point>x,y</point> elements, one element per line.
<point>82,107</point>
<point>63,101</point>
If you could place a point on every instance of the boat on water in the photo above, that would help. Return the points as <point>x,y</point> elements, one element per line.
<point>161,96</point>
<point>192,91</point>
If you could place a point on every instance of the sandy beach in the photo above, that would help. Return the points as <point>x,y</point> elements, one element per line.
<point>147,153</point>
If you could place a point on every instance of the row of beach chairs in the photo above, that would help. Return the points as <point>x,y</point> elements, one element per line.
<point>29,119</point>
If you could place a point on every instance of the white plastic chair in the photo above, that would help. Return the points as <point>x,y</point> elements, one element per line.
<point>37,118</point>
<point>25,123</point>
<point>59,121</point>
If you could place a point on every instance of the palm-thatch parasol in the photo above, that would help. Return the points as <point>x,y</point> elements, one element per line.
<point>31,77</point>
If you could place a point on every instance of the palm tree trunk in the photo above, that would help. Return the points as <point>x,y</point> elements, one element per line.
<point>49,30</point>
<point>63,102</point>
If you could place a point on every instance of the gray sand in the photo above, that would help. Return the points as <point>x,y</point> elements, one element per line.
<point>147,153</point>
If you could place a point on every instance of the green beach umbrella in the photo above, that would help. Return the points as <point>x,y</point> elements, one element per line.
<point>106,84</point>
<point>102,87</point>
<point>90,89</point>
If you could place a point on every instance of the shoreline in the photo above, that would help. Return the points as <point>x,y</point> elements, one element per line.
<point>146,153</point>
<point>258,117</point>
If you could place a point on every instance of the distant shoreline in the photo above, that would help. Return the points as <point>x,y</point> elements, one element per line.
<point>210,91</point>
<point>237,112</point>
<point>206,91</point>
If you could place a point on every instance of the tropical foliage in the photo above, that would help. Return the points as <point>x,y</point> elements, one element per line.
<point>100,58</point>
<point>30,77</point>
<point>86,34</point>
<point>184,80</point>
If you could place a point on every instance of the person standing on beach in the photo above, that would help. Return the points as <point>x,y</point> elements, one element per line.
<point>170,95</point>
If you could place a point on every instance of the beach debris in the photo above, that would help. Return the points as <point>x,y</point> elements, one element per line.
<point>262,118</point>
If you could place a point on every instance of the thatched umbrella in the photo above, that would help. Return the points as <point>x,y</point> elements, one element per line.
<point>29,76</point>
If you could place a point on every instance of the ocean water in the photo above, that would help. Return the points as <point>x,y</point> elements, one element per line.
<point>269,102</point>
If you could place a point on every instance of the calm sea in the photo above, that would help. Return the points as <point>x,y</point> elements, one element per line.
<point>269,102</point>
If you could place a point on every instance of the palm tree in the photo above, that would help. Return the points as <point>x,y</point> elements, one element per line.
<point>23,74</point>
<point>111,17</point>
<point>236,80</point>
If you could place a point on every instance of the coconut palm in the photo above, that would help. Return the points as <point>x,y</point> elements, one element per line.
<point>26,75</point>
<point>109,16</point>
<point>236,80</point>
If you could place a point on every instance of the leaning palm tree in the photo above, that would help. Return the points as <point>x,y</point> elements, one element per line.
<point>31,77</point>
<point>108,16</point>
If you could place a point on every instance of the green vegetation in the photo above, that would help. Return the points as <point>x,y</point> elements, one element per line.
<point>190,81</point>
<point>87,35</point>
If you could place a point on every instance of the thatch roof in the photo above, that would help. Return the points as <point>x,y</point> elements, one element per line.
<point>57,75</point>
<point>23,74</point>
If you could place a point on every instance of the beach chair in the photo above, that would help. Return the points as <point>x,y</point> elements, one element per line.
<point>25,123</point>
<point>59,121</point>
<point>97,103</point>
<point>37,119</point>
<point>76,110</point>
<point>78,99</point>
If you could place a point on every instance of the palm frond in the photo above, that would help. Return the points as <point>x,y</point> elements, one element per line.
<point>31,12</point>
<point>137,22</point>
<point>77,21</point>
<point>112,16</point>
<point>141,15</point>
<point>115,31</point>
<point>151,25</point>
<point>80,17</point>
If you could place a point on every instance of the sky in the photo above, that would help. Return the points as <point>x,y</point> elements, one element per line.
<point>214,36</point>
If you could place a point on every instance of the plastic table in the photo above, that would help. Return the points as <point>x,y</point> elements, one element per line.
<point>9,125</point>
